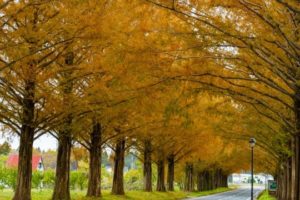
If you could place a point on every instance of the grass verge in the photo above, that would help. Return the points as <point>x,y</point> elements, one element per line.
<point>265,196</point>
<point>205,193</point>
<point>130,195</point>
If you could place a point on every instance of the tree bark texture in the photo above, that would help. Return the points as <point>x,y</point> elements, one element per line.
<point>189,177</point>
<point>62,185</point>
<point>160,186</point>
<point>94,182</point>
<point>118,179</point>
<point>23,187</point>
<point>147,166</point>
<point>171,172</point>
<point>288,173</point>
<point>211,179</point>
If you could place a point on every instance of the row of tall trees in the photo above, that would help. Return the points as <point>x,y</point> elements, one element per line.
<point>185,83</point>
<point>253,50</point>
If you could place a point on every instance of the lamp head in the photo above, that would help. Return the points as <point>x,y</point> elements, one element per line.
<point>252,142</point>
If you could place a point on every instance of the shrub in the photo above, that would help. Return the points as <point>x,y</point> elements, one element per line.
<point>8,178</point>
<point>82,178</point>
<point>78,179</point>
<point>37,179</point>
<point>3,160</point>
<point>46,179</point>
<point>49,179</point>
<point>106,179</point>
<point>133,180</point>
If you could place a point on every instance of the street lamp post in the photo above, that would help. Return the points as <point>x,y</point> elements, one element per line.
<point>252,142</point>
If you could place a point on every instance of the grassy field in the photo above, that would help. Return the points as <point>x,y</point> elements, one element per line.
<point>130,195</point>
<point>266,196</point>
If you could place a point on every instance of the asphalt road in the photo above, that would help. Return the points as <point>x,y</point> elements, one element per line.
<point>238,194</point>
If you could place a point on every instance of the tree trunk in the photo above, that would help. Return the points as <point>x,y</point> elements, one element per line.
<point>289,179</point>
<point>94,182</point>
<point>210,179</point>
<point>290,182</point>
<point>61,187</point>
<point>219,178</point>
<point>283,184</point>
<point>160,186</point>
<point>171,171</point>
<point>147,166</point>
<point>296,149</point>
<point>284,180</point>
<point>297,167</point>
<point>200,181</point>
<point>225,182</point>
<point>23,187</point>
<point>118,179</point>
<point>278,179</point>
<point>206,180</point>
<point>189,181</point>
<point>293,171</point>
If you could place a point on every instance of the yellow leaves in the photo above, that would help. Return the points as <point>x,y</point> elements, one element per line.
<point>178,79</point>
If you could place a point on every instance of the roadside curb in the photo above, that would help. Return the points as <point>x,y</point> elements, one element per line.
<point>260,194</point>
<point>195,197</point>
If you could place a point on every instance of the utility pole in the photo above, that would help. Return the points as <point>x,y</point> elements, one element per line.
<point>252,142</point>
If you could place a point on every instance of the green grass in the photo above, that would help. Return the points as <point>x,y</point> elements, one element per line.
<point>130,195</point>
<point>266,196</point>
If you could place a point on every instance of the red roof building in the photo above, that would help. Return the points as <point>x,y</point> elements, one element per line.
<point>37,162</point>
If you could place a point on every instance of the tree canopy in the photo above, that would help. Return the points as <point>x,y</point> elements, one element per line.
<point>186,82</point>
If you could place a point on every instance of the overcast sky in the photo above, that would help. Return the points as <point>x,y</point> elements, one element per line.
<point>45,142</point>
